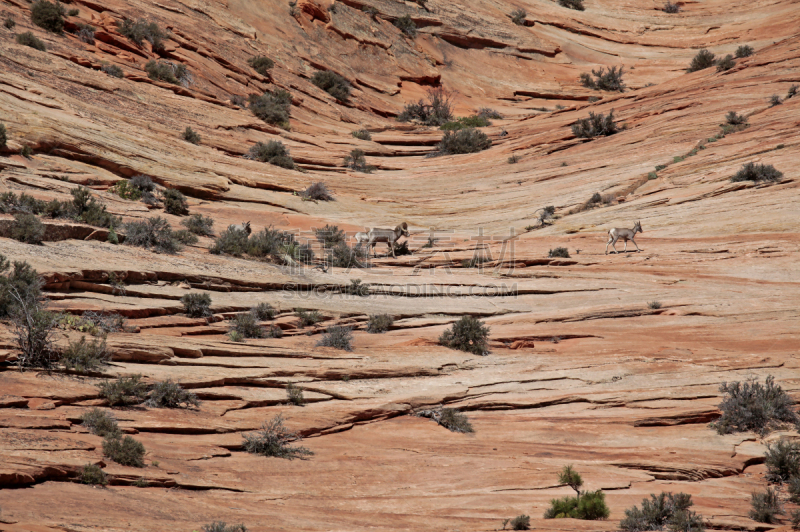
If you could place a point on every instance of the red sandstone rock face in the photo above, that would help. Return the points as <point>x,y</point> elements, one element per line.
<point>581,370</point>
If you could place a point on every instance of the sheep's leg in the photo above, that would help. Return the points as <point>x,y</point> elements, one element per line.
<point>607,243</point>
<point>614,245</point>
<point>626,246</point>
<point>635,244</point>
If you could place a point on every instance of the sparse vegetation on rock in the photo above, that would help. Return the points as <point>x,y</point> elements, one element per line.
<point>466,122</point>
<point>221,526</point>
<point>558,253</point>
<point>125,451</point>
<point>518,16</point>
<point>84,357</point>
<point>153,234</point>
<point>577,5</point>
<point>85,33</point>
<point>263,311</point>
<point>379,323</point>
<point>520,522</point>
<point>308,317</point>
<point>467,334</point>
<point>463,141</point>
<point>317,191</point>
<point>406,25</point>
<point>295,395</point>
<point>782,460</point>
<point>199,224</point>
<point>140,30</point>
<point>597,125</point>
<point>3,136</point>
<point>588,505</point>
<point>356,161</point>
<point>329,236</point>
<point>94,475</point>
<point>758,173</point>
<point>175,202</point>
<point>704,59</point>
<point>27,228</point>
<point>112,70</point>
<point>29,39</point>
<point>671,8</point>
<point>343,256</point>
<point>725,63</point>
<point>9,23</point>
<point>666,509</point>
<point>48,15</point>
<point>100,422</point>
<point>245,325</point>
<point>272,107</point>
<point>338,337</point>
<point>261,64</point>
<point>775,100</point>
<point>189,135</point>
<point>752,406</point>
<point>273,152</point>
<point>169,394</point>
<point>744,50</point>
<point>765,506</point>
<point>438,109</point>
<point>332,83</point>
<point>274,439</point>
<point>362,134</point>
<point>603,80</point>
<point>174,73</point>
<point>124,391</point>
<point>197,304</point>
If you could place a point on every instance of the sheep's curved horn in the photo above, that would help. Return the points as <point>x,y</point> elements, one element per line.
<point>405,225</point>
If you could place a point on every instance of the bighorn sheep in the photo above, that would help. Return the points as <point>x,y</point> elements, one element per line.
<point>244,227</point>
<point>625,234</point>
<point>362,237</point>
<point>390,236</point>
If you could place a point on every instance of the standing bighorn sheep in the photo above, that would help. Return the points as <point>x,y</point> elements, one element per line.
<point>625,234</point>
<point>362,237</point>
<point>244,227</point>
<point>390,236</point>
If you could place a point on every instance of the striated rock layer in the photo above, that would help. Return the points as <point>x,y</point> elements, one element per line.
<point>582,369</point>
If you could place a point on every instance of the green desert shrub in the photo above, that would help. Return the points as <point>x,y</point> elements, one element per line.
<point>168,394</point>
<point>27,228</point>
<point>317,191</point>
<point>273,152</point>
<point>175,202</point>
<point>123,391</point>
<point>308,317</point>
<point>245,325</point>
<point>263,311</point>
<point>85,33</point>
<point>141,30</point>
<point>10,203</point>
<point>666,509</point>
<point>199,224</point>
<point>232,241</point>
<point>465,122</point>
<point>27,151</point>
<point>21,283</point>
<point>361,134</point>
<point>100,422</point>
<point>775,100</point>
<point>274,439</point>
<point>261,64</point>
<point>3,136</point>
<point>190,135</point>
<point>197,304</point>
<point>704,59</point>
<point>793,487</point>
<point>655,305</point>
<point>603,80</point>
<point>596,125</point>
<point>734,119</point>
<point>9,23</point>
<point>187,238</point>
<point>463,141</point>
<point>343,256</point>
<point>379,323</point>
<point>143,183</point>
<point>520,522</point>
<point>34,328</point>
<point>333,84</point>
<point>782,460</point>
<point>765,506</point>
<point>93,474</point>
<point>48,15</point>
<point>454,421</point>
<point>269,242</point>
<point>590,505</point>
<point>559,252</point>
<point>125,190</point>
<point>725,63</point>
<point>751,406</point>
<point>436,111</point>
<point>406,25</point>
<point>671,8</point>
<point>467,334</point>
<point>577,5</point>
<point>338,337</point>
<point>29,39</point>
<point>758,173</point>
<point>518,16</point>
<point>112,70</point>
<point>295,395</point>
<point>744,50</point>
<point>329,236</point>
<point>792,92</point>
<point>175,73</point>
<point>87,209</point>
<point>84,357</point>
<point>153,234</point>
<point>356,161</point>
<point>125,451</point>
<point>272,107</point>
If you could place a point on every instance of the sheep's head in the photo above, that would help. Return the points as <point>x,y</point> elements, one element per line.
<point>638,227</point>
<point>403,229</point>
